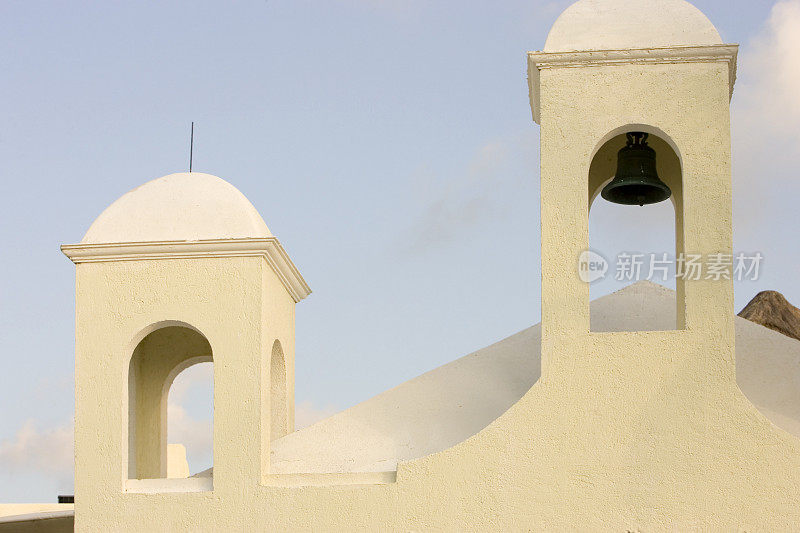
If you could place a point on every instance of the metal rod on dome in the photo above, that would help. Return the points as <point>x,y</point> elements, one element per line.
<point>191,147</point>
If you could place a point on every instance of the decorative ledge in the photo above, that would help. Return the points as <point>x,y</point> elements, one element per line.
<point>157,486</point>
<point>538,61</point>
<point>269,248</point>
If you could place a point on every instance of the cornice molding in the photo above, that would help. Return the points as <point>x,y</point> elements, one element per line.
<point>269,248</point>
<point>538,61</point>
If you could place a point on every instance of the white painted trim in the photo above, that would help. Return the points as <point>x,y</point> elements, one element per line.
<point>267,247</point>
<point>538,61</point>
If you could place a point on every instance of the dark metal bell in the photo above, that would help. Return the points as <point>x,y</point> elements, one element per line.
<point>636,182</point>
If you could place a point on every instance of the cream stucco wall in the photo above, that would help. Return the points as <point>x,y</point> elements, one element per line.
<point>238,304</point>
<point>640,430</point>
<point>634,438</point>
<point>636,431</point>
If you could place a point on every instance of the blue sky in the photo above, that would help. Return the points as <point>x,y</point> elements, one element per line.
<point>388,144</point>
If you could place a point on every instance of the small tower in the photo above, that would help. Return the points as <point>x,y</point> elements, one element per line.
<point>179,271</point>
<point>610,68</point>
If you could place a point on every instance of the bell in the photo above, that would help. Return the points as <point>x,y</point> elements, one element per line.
<point>636,182</point>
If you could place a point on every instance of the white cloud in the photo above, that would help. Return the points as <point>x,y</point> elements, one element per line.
<point>190,414</point>
<point>766,121</point>
<point>196,434</point>
<point>769,90</point>
<point>199,376</point>
<point>48,452</point>
<point>472,197</point>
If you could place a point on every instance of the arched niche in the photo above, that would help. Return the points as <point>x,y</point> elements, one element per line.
<point>669,167</point>
<point>279,412</point>
<point>157,359</point>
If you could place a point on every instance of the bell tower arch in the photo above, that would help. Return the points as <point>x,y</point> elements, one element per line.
<point>588,95</point>
<point>604,170</point>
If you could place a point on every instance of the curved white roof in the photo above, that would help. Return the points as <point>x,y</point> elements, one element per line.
<point>630,24</point>
<point>178,207</point>
<point>451,403</point>
<point>448,405</point>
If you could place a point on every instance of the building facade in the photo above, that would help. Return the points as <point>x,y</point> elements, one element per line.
<point>638,430</point>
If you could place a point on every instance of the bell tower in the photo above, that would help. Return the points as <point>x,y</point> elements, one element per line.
<point>179,271</point>
<point>606,78</point>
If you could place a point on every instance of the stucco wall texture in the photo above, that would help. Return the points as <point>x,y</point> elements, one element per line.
<point>637,431</point>
<point>644,430</point>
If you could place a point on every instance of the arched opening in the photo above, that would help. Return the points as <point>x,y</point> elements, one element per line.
<point>158,359</point>
<point>279,413</point>
<point>190,419</point>
<point>638,244</point>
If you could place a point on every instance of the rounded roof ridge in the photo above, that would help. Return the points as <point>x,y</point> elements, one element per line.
<point>178,207</point>
<point>630,24</point>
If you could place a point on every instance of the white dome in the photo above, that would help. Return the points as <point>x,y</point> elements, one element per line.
<point>630,24</point>
<point>178,207</point>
